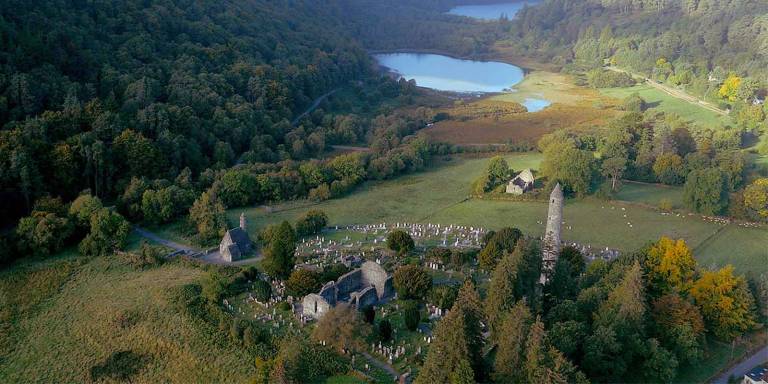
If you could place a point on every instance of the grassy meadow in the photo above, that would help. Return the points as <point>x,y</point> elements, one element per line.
<point>67,318</point>
<point>667,103</point>
<point>440,195</point>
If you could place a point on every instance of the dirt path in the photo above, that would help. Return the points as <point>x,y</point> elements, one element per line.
<point>314,105</point>
<point>674,92</point>
<point>351,148</point>
<point>380,364</point>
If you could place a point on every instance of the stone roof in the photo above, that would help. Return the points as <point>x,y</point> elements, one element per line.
<point>557,192</point>
<point>526,175</point>
<point>239,237</point>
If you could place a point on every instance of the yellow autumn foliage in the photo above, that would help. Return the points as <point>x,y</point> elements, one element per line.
<point>729,87</point>
<point>670,266</point>
<point>725,302</point>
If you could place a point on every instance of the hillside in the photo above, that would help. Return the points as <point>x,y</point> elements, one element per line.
<point>181,84</point>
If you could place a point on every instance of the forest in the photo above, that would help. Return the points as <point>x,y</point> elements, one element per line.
<point>110,90</point>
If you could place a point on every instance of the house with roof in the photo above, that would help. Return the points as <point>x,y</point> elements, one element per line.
<point>521,183</point>
<point>758,375</point>
<point>236,243</point>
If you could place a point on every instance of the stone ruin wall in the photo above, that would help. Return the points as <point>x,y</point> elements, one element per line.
<point>348,283</point>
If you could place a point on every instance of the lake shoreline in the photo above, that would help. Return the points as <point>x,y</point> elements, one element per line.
<point>428,51</point>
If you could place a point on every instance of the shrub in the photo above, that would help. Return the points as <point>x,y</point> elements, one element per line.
<point>439,253</point>
<point>321,193</point>
<point>301,361</point>
<point>147,257</point>
<point>302,282</point>
<point>214,287</point>
<point>333,272</point>
<point>262,290</point>
<point>369,314</point>
<point>634,103</point>
<point>443,296</point>
<point>412,282</point>
<point>311,223</point>
<point>400,242</point>
<point>599,78</point>
<point>411,315</point>
<point>385,330</point>
<point>665,205</point>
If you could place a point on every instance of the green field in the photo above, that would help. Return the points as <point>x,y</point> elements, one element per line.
<point>667,103</point>
<point>650,194</point>
<point>439,195</point>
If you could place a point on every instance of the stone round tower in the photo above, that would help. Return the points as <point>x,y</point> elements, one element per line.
<point>243,222</point>
<point>551,246</point>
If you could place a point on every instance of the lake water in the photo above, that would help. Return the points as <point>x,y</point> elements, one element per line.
<point>490,11</point>
<point>445,73</point>
<point>535,105</point>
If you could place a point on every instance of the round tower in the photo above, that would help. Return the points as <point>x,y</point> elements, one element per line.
<point>551,246</point>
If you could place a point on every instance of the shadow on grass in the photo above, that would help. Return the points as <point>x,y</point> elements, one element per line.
<point>120,366</point>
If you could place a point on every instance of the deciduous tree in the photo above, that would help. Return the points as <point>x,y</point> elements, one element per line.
<point>725,302</point>
<point>669,266</point>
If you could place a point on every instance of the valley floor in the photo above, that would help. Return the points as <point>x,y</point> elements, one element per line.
<point>441,195</point>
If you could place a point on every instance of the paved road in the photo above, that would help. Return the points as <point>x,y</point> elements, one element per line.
<point>157,239</point>
<point>674,92</point>
<point>740,369</point>
<point>312,107</point>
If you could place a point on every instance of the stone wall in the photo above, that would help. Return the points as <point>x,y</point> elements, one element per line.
<point>348,283</point>
<point>315,306</point>
<point>329,292</point>
<point>374,275</point>
<point>365,298</point>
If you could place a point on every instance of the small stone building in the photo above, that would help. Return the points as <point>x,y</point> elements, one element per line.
<point>522,183</point>
<point>236,243</point>
<point>361,287</point>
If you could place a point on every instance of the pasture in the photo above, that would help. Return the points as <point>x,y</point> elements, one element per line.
<point>440,195</point>
<point>669,104</point>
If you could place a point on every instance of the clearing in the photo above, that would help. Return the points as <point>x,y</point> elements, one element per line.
<point>440,195</point>
<point>665,102</point>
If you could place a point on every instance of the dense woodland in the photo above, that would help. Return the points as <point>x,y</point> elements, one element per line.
<point>110,90</point>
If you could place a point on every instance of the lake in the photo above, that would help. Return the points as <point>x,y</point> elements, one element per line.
<point>445,73</point>
<point>535,105</point>
<point>490,11</point>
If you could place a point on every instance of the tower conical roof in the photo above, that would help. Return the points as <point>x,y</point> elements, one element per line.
<point>557,191</point>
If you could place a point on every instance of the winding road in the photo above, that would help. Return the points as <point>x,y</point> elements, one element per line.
<point>741,369</point>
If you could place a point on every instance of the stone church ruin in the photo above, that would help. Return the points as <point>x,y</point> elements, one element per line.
<point>362,287</point>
